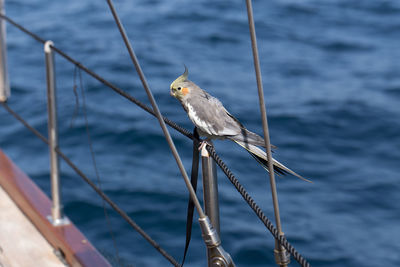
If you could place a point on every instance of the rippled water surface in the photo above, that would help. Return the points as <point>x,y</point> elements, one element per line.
<point>331,72</point>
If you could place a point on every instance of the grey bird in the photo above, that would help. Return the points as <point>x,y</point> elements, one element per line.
<point>214,122</point>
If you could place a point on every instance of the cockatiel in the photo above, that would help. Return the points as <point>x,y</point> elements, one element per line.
<point>214,122</point>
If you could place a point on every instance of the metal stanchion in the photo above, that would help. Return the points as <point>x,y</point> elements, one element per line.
<point>216,255</point>
<point>57,217</point>
<point>4,82</point>
<point>210,188</point>
<point>211,207</point>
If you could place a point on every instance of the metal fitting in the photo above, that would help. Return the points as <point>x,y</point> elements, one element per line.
<point>217,256</point>
<point>58,222</point>
<point>282,256</point>
<point>220,258</point>
<point>210,236</point>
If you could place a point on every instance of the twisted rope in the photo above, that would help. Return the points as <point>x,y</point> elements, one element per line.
<point>253,205</point>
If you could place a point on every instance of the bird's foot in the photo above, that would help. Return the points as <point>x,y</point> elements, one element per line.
<point>204,143</point>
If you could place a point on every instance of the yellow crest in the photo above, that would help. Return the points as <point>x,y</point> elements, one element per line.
<point>181,78</point>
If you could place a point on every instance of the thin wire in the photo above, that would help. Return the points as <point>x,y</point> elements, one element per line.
<point>156,111</point>
<point>110,228</point>
<point>130,221</point>
<point>76,109</point>
<point>264,119</point>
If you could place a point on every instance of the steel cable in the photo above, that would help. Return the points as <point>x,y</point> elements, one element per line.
<point>281,257</point>
<point>298,257</point>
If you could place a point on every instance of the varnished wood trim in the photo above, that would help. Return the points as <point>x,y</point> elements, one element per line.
<point>36,206</point>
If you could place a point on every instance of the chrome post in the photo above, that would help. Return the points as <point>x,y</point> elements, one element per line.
<point>4,82</point>
<point>216,255</point>
<point>57,217</point>
<point>210,188</point>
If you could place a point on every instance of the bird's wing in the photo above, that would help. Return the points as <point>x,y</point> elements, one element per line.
<point>247,136</point>
<point>212,118</point>
<point>208,114</point>
<point>261,157</point>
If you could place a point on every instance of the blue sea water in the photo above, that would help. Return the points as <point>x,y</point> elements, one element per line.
<point>331,72</point>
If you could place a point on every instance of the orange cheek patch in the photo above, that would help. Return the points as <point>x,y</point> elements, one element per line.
<point>185,91</point>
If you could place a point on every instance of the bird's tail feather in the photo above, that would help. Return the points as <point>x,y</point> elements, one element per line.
<point>261,157</point>
<point>248,137</point>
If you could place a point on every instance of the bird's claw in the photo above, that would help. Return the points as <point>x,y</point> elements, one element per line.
<point>203,144</point>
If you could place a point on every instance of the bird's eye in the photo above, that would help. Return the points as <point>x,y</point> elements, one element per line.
<point>179,88</point>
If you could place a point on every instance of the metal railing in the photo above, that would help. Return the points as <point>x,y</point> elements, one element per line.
<point>57,215</point>
<point>4,83</point>
<point>208,220</point>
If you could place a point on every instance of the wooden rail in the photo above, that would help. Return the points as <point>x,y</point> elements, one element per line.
<point>36,206</point>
